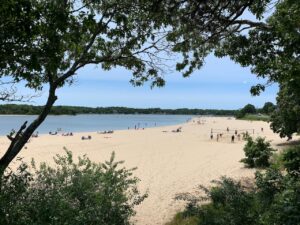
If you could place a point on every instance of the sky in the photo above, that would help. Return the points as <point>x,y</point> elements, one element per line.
<point>219,84</point>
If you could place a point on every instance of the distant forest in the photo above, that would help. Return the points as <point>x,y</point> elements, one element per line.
<point>13,109</point>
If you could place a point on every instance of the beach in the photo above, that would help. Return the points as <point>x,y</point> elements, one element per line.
<point>167,162</point>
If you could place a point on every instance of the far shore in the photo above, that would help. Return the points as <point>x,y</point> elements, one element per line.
<point>169,160</point>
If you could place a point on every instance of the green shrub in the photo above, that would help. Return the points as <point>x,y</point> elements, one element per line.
<point>257,152</point>
<point>230,204</point>
<point>291,160</point>
<point>71,193</point>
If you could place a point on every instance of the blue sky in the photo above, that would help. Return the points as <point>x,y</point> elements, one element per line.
<point>219,84</point>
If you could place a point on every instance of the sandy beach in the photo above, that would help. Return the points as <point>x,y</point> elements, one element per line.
<point>168,162</point>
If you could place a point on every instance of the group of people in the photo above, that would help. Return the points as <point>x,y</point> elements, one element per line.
<point>232,137</point>
<point>106,132</point>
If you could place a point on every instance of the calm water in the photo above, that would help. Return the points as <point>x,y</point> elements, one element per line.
<point>81,123</point>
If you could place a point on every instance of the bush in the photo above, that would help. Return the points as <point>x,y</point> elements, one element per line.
<point>257,152</point>
<point>274,199</point>
<point>291,161</point>
<point>72,193</point>
<point>230,204</point>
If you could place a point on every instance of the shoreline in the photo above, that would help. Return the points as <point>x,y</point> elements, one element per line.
<point>92,122</point>
<point>167,162</point>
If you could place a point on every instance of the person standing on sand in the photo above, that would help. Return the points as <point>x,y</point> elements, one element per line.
<point>211,136</point>
<point>232,138</point>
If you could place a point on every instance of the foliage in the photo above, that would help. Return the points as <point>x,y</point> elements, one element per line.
<point>247,109</point>
<point>291,160</point>
<point>255,117</point>
<point>269,45</point>
<point>274,199</point>
<point>230,204</point>
<point>286,120</point>
<point>70,193</point>
<point>257,152</point>
<point>180,219</point>
<point>45,43</point>
<point>268,108</point>
<point>73,110</point>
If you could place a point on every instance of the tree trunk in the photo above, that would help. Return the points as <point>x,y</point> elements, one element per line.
<point>18,142</point>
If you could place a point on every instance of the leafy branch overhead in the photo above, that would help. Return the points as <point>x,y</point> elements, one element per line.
<point>54,39</point>
<point>45,43</point>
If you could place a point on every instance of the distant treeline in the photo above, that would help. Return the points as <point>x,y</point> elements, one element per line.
<point>14,109</point>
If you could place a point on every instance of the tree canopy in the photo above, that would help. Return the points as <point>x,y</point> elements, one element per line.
<point>45,43</point>
<point>269,46</point>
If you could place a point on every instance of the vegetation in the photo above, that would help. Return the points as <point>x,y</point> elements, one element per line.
<point>291,161</point>
<point>269,46</point>
<point>268,108</point>
<point>286,120</point>
<point>273,199</point>
<point>71,193</point>
<point>45,43</point>
<point>73,110</point>
<point>257,152</point>
<point>249,112</point>
<point>256,117</point>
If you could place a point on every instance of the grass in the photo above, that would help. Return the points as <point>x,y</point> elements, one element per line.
<point>256,117</point>
<point>179,219</point>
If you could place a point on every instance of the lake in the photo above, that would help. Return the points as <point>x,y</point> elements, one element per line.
<point>93,122</point>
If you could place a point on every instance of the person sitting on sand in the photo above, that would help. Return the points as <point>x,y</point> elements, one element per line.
<point>177,130</point>
<point>35,135</point>
<point>86,138</point>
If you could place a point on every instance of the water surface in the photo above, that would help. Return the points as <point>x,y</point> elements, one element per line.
<point>98,122</point>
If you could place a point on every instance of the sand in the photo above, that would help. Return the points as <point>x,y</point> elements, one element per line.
<point>168,162</point>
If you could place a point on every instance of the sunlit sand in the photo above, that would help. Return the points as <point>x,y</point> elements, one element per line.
<point>168,162</point>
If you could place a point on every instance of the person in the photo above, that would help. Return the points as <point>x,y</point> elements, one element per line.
<point>239,137</point>
<point>232,138</point>
<point>211,136</point>
<point>235,132</point>
<point>262,129</point>
<point>227,129</point>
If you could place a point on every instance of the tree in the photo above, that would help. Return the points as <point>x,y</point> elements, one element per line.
<point>257,152</point>
<point>45,43</point>
<point>249,109</point>
<point>268,108</point>
<point>270,47</point>
<point>285,120</point>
